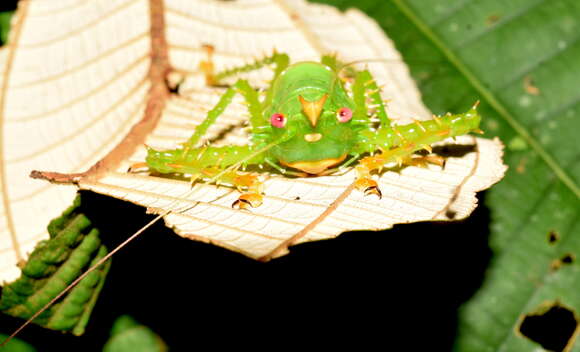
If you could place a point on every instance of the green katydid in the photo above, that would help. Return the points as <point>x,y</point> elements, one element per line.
<point>307,124</point>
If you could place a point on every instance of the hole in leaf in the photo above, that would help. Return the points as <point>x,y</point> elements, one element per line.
<point>553,237</point>
<point>450,214</point>
<point>492,19</point>
<point>173,88</point>
<point>566,259</point>
<point>552,327</point>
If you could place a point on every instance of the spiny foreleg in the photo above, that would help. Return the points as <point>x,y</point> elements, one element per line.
<point>365,89</point>
<point>251,100</point>
<point>345,71</point>
<point>398,143</point>
<point>211,164</point>
<point>331,61</point>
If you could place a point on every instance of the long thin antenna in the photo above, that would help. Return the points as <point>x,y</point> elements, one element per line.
<point>83,275</point>
<point>391,60</point>
<point>138,232</point>
<point>365,61</point>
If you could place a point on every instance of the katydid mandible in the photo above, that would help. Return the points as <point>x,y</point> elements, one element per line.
<point>311,121</point>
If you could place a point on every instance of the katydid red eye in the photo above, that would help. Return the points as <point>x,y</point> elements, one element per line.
<point>278,120</point>
<point>344,114</point>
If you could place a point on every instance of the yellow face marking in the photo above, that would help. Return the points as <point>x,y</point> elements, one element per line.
<point>312,137</point>
<point>312,109</point>
<point>314,167</point>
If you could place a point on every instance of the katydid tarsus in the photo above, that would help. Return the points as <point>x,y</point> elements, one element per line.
<point>314,118</point>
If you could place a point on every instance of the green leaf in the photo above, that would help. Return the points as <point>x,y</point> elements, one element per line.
<point>522,60</point>
<point>128,335</point>
<point>16,345</point>
<point>5,18</point>
<point>73,247</point>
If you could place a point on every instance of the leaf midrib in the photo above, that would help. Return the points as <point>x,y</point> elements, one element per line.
<point>5,200</point>
<point>488,95</point>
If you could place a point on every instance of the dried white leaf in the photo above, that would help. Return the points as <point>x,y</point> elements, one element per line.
<point>97,92</point>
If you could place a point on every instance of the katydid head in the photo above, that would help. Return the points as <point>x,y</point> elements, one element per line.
<point>322,130</point>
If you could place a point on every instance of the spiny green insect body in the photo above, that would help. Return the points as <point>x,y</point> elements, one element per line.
<point>318,135</point>
<point>307,124</point>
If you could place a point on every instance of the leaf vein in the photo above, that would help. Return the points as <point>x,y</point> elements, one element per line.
<point>89,122</point>
<point>77,31</point>
<point>223,25</point>
<point>501,23</point>
<point>452,11</point>
<point>135,64</point>
<point>490,97</point>
<point>83,65</point>
<point>51,12</point>
<point>519,74</point>
<point>17,31</point>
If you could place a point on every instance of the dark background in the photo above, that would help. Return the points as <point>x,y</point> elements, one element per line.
<point>397,288</point>
<point>8,5</point>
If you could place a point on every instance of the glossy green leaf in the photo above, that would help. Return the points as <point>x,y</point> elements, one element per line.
<point>522,60</point>
<point>128,335</point>
<point>74,246</point>
<point>16,345</point>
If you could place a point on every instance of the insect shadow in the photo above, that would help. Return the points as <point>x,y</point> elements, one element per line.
<point>454,150</point>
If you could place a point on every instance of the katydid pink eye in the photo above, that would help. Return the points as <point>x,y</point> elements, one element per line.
<point>278,120</point>
<point>344,114</point>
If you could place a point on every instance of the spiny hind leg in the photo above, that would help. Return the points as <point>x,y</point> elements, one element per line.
<point>399,143</point>
<point>250,99</point>
<point>180,160</point>
<point>424,160</point>
<point>212,78</point>
<point>207,66</point>
<point>422,134</point>
<point>189,158</point>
